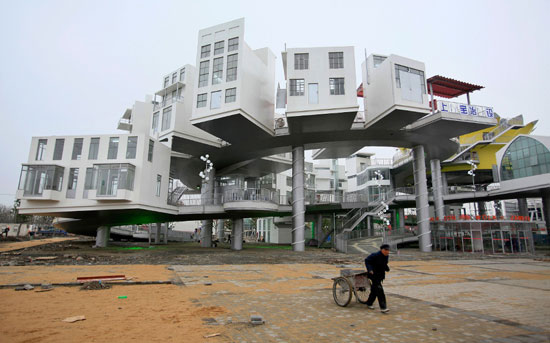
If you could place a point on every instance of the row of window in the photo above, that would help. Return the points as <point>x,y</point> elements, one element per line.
<point>105,178</point>
<point>297,86</point>
<point>335,60</point>
<point>217,70</point>
<point>216,98</point>
<point>93,151</point>
<point>232,45</point>
<point>174,78</point>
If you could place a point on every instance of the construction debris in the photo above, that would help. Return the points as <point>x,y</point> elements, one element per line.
<point>256,320</point>
<point>212,335</point>
<point>83,279</point>
<point>26,287</point>
<point>74,319</point>
<point>94,285</point>
<point>45,258</point>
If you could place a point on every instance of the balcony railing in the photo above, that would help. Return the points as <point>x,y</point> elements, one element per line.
<point>166,102</point>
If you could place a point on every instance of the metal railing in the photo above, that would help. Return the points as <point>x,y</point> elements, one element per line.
<point>166,102</point>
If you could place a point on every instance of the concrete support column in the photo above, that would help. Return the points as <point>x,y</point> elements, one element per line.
<point>207,196</point>
<point>421,197</point>
<point>220,230</point>
<point>298,203</point>
<point>370,227</point>
<point>102,236</point>
<point>237,234</point>
<point>165,240</point>
<point>401,224</point>
<point>546,208</point>
<point>444,185</point>
<point>319,227</point>
<point>157,233</point>
<point>522,206</point>
<point>481,209</point>
<point>437,189</point>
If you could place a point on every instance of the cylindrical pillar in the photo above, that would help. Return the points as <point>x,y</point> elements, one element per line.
<point>522,207</point>
<point>157,233</point>
<point>102,236</point>
<point>298,203</point>
<point>165,240</point>
<point>437,189</point>
<point>220,230</point>
<point>207,195</point>
<point>421,197</point>
<point>481,209</point>
<point>319,227</point>
<point>237,234</point>
<point>401,224</point>
<point>370,227</point>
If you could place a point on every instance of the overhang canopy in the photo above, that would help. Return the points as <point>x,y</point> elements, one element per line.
<point>450,88</point>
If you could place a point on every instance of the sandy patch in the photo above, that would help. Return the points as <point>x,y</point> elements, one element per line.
<point>10,246</point>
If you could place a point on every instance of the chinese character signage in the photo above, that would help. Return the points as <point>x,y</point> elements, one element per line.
<point>471,110</point>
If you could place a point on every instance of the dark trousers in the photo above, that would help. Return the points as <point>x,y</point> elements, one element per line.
<point>377,291</point>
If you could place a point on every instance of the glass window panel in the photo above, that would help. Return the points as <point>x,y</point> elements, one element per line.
<point>301,61</point>
<point>113,148</point>
<point>217,71</point>
<point>41,149</point>
<point>232,61</point>
<point>150,151</point>
<point>131,148</point>
<point>230,95</point>
<point>216,100</point>
<point>166,118</point>
<point>77,148</point>
<point>205,51</point>
<point>219,47</point>
<point>201,100</point>
<point>233,44</point>
<point>203,73</point>
<point>94,149</point>
<point>58,150</point>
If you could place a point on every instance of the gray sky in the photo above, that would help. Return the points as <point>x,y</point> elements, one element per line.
<point>73,67</point>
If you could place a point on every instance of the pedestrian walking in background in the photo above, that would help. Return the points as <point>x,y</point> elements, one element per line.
<point>377,266</point>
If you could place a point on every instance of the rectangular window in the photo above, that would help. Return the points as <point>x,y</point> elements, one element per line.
<point>113,148</point>
<point>73,179</point>
<point>233,44</point>
<point>94,149</point>
<point>301,61</point>
<point>231,67</point>
<point>174,77</point>
<point>166,81</point>
<point>201,100</point>
<point>112,177</point>
<point>155,122</point>
<point>89,179</point>
<point>205,51</point>
<point>41,149</point>
<point>131,148</point>
<point>216,100</point>
<point>377,60</point>
<point>166,118</point>
<point>336,60</point>
<point>35,179</point>
<point>77,148</point>
<point>159,182</point>
<point>217,71</point>
<point>297,87</point>
<point>230,95</point>
<point>337,86</point>
<point>58,150</point>
<point>218,47</point>
<point>411,81</point>
<point>203,73</point>
<point>182,74</point>
<point>150,151</point>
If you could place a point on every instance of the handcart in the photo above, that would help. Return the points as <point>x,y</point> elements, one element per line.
<point>351,281</point>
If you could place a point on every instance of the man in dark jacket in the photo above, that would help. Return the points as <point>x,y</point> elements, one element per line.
<point>377,266</point>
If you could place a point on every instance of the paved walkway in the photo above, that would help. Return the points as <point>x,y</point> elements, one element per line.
<point>431,301</point>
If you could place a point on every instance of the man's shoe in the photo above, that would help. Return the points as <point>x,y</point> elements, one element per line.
<point>370,307</point>
<point>385,310</point>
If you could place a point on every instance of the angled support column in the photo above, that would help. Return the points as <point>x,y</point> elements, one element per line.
<point>437,189</point>
<point>102,236</point>
<point>298,202</point>
<point>421,197</point>
<point>207,196</point>
<point>237,234</point>
<point>401,224</point>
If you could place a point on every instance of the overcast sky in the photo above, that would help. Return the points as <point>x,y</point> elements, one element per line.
<point>73,67</point>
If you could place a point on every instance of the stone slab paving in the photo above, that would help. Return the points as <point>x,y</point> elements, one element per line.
<point>430,301</point>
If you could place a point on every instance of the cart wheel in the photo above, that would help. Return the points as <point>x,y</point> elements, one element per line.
<point>341,291</point>
<point>362,294</point>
